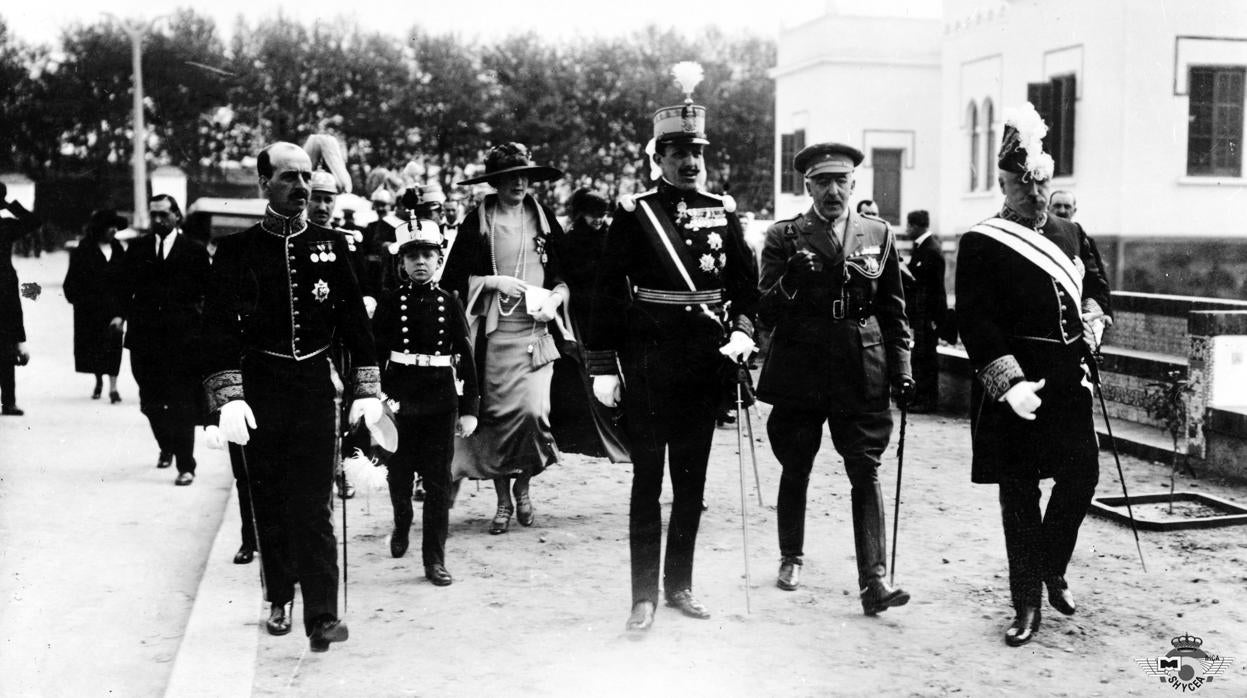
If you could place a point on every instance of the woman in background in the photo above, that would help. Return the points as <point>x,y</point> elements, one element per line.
<point>91,286</point>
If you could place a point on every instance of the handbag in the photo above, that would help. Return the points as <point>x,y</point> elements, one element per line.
<point>544,351</point>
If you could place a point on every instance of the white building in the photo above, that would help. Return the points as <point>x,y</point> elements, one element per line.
<point>1146,99</point>
<point>870,82</point>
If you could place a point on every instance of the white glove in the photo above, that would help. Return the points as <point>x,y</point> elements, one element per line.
<point>606,390</point>
<point>370,305</point>
<point>1024,398</point>
<point>467,425</point>
<point>1093,325</point>
<point>367,407</point>
<point>212,436</point>
<point>739,346</point>
<point>236,417</point>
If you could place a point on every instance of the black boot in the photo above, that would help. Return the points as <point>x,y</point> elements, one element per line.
<point>399,539</point>
<point>869,537</point>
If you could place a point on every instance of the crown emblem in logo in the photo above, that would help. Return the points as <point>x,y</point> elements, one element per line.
<point>1187,642</point>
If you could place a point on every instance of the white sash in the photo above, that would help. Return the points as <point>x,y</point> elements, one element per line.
<point>1037,249</point>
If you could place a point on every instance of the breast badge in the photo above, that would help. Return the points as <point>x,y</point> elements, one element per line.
<point>320,290</point>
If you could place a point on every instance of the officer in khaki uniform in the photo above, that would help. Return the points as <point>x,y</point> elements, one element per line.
<point>831,285</point>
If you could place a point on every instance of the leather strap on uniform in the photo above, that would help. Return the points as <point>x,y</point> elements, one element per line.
<point>660,227</point>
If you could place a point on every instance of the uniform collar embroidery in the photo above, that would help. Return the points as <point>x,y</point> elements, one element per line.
<point>1015,217</point>
<point>283,226</point>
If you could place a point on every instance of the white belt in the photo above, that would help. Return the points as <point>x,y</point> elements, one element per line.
<point>419,359</point>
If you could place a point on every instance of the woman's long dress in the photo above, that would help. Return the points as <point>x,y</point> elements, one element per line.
<point>513,436</point>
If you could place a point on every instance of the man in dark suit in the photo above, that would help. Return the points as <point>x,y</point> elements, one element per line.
<point>12,327</point>
<point>695,282</point>
<point>926,304</point>
<point>831,284</point>
<point>280,294</point>
<point>1029,312</point>
<point>165,276</point>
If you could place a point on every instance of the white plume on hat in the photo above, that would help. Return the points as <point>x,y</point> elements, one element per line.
<point>326,153</point>
<point>1031,130</point>
<point>688,75</point>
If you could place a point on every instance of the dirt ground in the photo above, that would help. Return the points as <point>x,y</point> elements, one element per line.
<point>540,611</point>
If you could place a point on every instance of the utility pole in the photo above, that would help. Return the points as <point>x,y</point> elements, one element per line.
<point>135,30</point>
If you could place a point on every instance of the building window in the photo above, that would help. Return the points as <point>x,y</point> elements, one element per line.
<point>1055,100</point>
<point>1214,137</point>
<point>972,122</point>
<point>790,181</point>
<point>886,164</point>
<point>989,144</point>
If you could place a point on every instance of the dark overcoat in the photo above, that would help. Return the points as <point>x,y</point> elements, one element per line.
<point>93,286</point>
<point>1018,323</point>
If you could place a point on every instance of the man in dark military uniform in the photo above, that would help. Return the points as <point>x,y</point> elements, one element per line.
<point>1024,302</point>
<point>926,304</point>
<point>280,293</point>
<point>681,253</point>
<point>831,284</point>
<point>12,330</point>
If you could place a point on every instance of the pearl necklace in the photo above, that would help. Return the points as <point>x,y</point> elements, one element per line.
<point>519,261</point>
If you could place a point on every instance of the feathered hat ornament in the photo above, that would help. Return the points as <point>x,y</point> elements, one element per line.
<point>1021,147</point>
<point>683,122</point>
<point>688,75</point>
<point>326,154</point>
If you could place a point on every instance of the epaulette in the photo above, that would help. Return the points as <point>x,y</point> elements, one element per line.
<point>790,230</point>
<point>729,204</point>
<point>628,201</point>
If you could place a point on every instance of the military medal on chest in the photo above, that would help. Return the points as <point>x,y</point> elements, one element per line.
<point>322,253</point>
<point>320,290</point>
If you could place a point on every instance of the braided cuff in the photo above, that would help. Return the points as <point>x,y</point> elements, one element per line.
<point>365,382</point>
<point>1000,375</point>
<point>743,324</point>
<point>601,363</point>
<point>223,387</point>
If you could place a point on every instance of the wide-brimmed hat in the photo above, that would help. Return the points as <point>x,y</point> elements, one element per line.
<point>509,159</point>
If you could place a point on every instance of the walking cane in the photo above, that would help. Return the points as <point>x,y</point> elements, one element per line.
<point>896,506</point>
<point>744,500</point>
<point>337,463</point>
<point>1094,368</point>
<point>255,523</point>
<point>753,450</point>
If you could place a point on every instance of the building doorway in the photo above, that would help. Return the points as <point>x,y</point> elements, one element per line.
<point>886,164</point>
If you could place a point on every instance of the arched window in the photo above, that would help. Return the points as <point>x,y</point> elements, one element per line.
<point>989,144</point>
<point>972,123</point>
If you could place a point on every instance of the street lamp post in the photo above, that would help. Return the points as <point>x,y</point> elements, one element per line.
<point>135,30</point>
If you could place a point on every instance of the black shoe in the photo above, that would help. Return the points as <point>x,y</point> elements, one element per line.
<point>438,575</point>
<point>789,574</point>
<point>878,597</point>
<point>279,618</point>
<point>524,509</point>
<point>325,632</point>
<point>418,495</point>
<point>399,540</point>
<point>1024,626</point>
<point>687,604</point>
<point>99,390</point>
<point>1060,596</point>
<point>165,460</point>
<point>114,397</point>
<point>642,618</point>
<point>184,479</point>
<point>12,411</point>
<point>245,555</point>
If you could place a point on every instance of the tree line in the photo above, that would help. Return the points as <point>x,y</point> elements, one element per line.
<point>584,106</point>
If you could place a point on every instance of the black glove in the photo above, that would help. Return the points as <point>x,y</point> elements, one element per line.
<point>802,263</point>
<point>902,390</point>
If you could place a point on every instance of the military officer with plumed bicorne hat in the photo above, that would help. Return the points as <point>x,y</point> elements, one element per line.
<point>831,284</point>
<point>673,308</point>
<point>1029,314</point>
<point>280,294</point>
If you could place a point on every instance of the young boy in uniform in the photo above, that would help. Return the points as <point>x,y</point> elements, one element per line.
<point>423,346</point>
